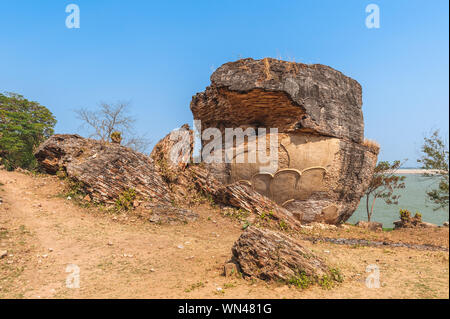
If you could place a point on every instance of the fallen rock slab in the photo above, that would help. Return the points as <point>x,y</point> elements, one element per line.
<point>374,226</point>
<point>104,170</point>
<point>270,255</point>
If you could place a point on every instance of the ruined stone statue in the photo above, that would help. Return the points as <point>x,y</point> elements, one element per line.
<point>323,165</point>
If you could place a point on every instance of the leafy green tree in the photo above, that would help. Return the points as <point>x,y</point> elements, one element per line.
<point>435,156</point>
<point>23,126</point>
<point>383,184</point>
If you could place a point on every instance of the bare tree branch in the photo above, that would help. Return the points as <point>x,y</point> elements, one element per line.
<point>109,118</point>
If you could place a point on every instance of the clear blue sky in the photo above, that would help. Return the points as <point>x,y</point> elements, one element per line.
<point>157,54</point>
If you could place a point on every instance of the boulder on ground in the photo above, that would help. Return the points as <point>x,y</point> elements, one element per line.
<point>369,225</point>
<point>173,153</point>
<point>323,166</point>
<point>104,170</point>
<point>270,255</point>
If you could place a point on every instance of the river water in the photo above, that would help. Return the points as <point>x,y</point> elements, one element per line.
<point>413,197</point>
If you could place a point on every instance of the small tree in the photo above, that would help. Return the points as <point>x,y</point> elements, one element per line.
<point>112,119</point>
<point>23,126</point>
<point>435,156</point>
<point>383,184</point>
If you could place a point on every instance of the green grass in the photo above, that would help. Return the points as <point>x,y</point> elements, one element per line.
<point>125,200</point>
<point>283,225</point>
<point>301,280</point>
<point>194,286</point>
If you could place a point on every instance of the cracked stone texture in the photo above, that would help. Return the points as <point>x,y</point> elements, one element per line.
<point>323,166</point>
<point>290,96</point>
<point>271,255</point>
<point>105,170</point>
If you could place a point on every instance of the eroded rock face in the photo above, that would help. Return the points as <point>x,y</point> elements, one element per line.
<point>241,195</point>
<point>323,166</point>
<point>290,96</point>
<point>184,179</point>
<point>270,255</point>
<point>105,170</point>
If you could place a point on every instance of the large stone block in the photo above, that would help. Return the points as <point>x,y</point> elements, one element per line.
<point>322,166</point>
<point>290,96</point>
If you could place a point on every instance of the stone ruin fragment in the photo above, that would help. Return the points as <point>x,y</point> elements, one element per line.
<point>324,165</point>
<point>270,255</point>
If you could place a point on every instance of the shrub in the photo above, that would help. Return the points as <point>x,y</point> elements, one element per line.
<point>116,137</point>
<point>125,200</point>
<point>405,214</point>
<point>418,216</point>
<point>373,146</point>
<point>301,280</point>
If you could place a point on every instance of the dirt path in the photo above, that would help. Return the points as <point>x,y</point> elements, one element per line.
<point>115,257</point>
<point>121,257</point>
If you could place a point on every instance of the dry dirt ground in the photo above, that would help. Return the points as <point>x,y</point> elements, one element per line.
<point>121,256</point>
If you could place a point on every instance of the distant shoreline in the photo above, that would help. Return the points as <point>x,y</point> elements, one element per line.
<point>416,171</point>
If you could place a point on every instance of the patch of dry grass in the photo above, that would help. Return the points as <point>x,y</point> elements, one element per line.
<point>372,145</point>
<point>267,69</point>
